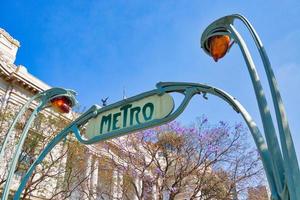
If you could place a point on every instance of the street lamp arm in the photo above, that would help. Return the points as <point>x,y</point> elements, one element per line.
<point>266,117</point>
<point>81,120</point>
<point>286,169</point>
<point>223,26</point>
<point>282,122</point>
<point>20,113</point>
<point>250,28</point>
<point>45,97</point>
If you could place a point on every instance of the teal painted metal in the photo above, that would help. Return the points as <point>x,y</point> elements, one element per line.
<point>269,128</point>
<point>188,90</point>
<point>59,137</point>
<point>286,169</point>
<point>44,99</point>
<point>12,126</point>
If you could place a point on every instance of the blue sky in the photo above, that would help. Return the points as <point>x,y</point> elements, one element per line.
<point>100,47</point>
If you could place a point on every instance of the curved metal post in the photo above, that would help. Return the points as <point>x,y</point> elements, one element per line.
<point>268,125</point>
<point>40,158</point>
<point>46,96</point>
<point>60,136</point>
<point>288,149</point>
<point>12,126</point>
<point>13,164</point>
<point>260,144</point>
<point>224,26</point>
<point>264,153</point>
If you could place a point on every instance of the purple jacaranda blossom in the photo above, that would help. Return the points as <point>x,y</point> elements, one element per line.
<point>134,173</point>
<point>173,189</point>
<point>158,171</point>
<point>105,146</point>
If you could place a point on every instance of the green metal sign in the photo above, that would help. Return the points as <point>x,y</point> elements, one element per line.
<point>130,114</point>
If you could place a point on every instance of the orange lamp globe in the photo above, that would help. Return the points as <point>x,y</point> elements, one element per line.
<point>218,46</point>
<point>61,104</point>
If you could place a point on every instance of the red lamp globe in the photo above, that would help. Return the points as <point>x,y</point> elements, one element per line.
<point>218,46</point>
<point>61,104</point>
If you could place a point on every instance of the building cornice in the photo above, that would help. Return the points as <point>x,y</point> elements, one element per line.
<point>9,37</point>
<point>20,76</point>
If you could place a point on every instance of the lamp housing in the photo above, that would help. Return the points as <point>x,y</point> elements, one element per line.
<point>61,104</point>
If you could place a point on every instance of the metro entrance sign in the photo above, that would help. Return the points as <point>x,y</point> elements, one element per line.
<point>130,114</point>
<point>146,110</point>
<point>156,107</point>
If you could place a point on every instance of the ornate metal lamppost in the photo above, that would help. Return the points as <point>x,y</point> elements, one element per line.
<point>62,100</point>
<point>216,40</point>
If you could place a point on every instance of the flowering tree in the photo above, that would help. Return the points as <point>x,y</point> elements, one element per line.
<point>197,162</point>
